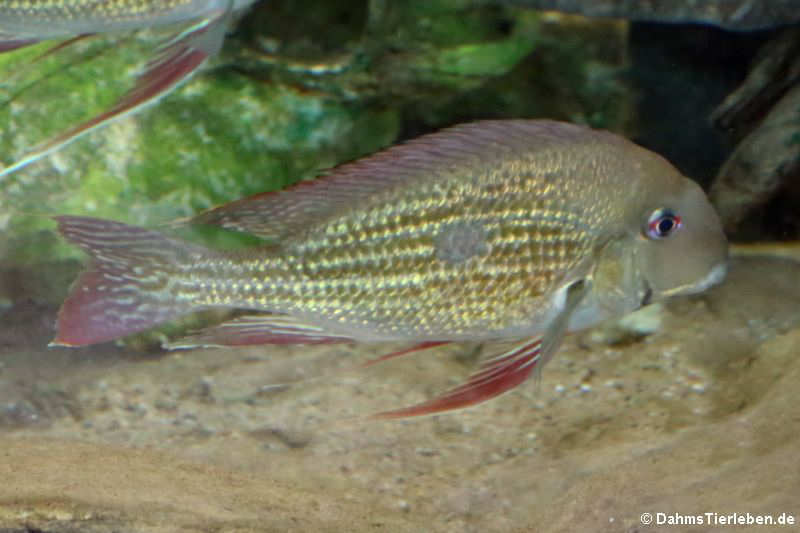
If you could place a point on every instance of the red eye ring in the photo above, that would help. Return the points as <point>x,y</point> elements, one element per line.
<point>662,223</point>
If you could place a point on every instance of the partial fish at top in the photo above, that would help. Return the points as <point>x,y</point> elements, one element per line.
<point>25,22</point>
<point>515,230</point>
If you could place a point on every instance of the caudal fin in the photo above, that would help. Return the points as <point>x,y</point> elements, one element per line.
<point>128,286</point>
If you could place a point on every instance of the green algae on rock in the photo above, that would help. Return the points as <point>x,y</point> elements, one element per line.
<point>743,15</point>
<point>448,62</point>
<point>410,51</point>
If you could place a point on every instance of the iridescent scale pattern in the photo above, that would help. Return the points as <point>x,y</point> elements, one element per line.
<point>77,10</point>
<point>374,266</point>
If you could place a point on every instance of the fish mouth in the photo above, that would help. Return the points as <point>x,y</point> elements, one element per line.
<point>715,277</point>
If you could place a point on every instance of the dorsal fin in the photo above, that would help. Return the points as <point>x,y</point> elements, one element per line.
<point>274,215</point>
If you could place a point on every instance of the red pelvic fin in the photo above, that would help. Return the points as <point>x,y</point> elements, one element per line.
<point>412,349</point>
<point>498,375</point>
<point>258,329</point>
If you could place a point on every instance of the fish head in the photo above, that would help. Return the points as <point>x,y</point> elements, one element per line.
<point>680,246</point>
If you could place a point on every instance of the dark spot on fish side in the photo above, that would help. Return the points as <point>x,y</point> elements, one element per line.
<point>457,242</point>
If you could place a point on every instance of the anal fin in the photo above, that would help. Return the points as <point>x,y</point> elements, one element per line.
<point>250,330</point>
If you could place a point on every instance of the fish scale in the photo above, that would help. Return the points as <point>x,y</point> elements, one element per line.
<point>340,277</point>
<point>100,10</point>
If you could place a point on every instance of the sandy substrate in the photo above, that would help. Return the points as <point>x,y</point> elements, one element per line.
<point>699,417</point>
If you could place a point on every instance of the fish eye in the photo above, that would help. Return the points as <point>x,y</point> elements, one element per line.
<point>662,223</point>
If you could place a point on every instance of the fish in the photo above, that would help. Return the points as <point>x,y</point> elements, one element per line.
<point>27,22</point>
<point>508,232</point>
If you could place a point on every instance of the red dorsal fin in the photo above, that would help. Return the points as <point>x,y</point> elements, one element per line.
<point>275,215</point>
<point>498,375</point>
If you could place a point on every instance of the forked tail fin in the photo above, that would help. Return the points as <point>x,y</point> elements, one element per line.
<point>130,284</point>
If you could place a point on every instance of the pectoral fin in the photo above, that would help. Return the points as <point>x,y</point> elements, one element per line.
<point>505,371</point>
<point>551,342</point>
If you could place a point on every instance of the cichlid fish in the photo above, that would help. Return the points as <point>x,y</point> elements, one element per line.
<point>25,22</point>
<point>516,230</point>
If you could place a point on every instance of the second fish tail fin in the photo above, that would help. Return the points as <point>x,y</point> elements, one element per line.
<point>129,285</point>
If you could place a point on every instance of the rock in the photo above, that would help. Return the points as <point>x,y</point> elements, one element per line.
<point>405,52</point>
<point>764,115</point>
<point>446,62</point>
<point>730,14</point>
<point>630,328</point>
<point>765,160</point>
<point>774,70</point>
